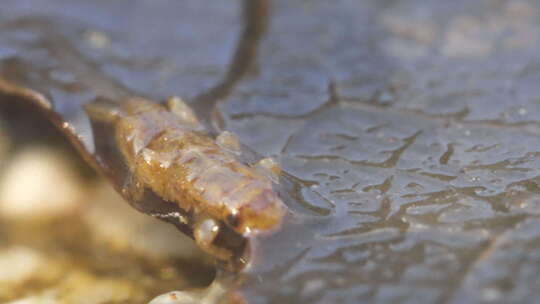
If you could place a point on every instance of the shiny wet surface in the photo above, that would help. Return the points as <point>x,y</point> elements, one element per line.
<point>409,131</point>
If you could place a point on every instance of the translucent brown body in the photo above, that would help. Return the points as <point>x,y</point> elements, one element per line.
<point>168,151</point>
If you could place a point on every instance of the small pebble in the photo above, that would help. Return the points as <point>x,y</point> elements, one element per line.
<point>18,264</point>
<point>38,182</point>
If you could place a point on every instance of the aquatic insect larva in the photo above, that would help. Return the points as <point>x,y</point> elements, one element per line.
<point>168,151</point>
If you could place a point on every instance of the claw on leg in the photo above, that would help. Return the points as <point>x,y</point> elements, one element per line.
<point>205,232</point>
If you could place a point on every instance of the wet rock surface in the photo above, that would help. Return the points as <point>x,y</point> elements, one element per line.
<point>411,129</point>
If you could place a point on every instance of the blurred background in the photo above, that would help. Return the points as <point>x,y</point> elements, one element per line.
<point>411,126</point>
<point>67,237</point>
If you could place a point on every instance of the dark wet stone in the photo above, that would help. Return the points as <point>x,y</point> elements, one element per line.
<point>409,129</point>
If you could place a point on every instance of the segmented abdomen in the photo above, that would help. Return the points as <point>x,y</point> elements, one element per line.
<point>186,166</point>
